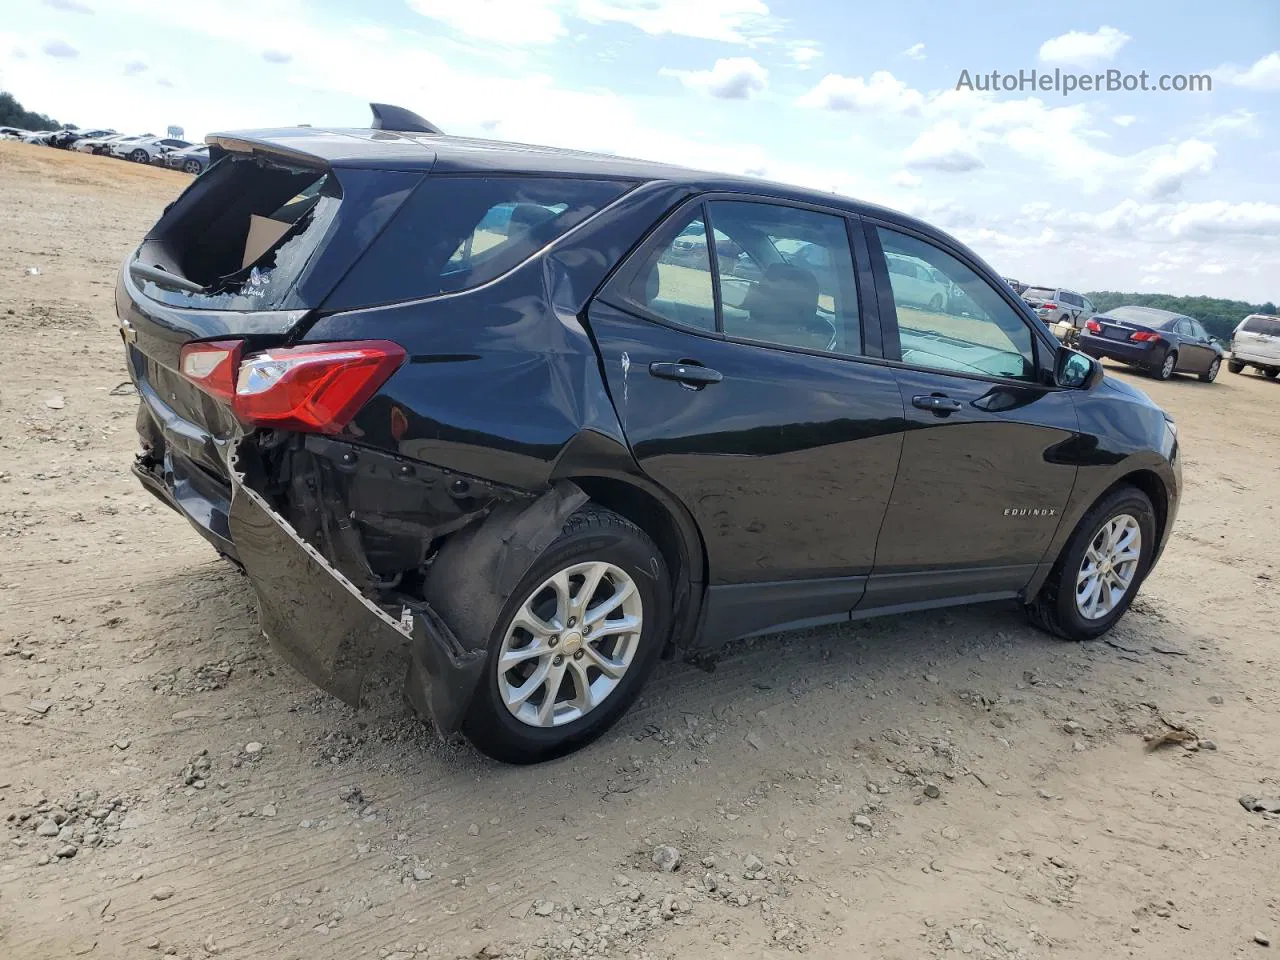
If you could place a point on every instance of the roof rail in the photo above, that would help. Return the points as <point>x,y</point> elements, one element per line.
<point>386,116</point>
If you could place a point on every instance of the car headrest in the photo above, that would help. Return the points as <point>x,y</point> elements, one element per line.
<point>528,217</point>
<point>785,293</point>
<point>652,284</point>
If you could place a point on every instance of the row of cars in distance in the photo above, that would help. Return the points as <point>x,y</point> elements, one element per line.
<point>172,152</point>
<point>1158,342</point>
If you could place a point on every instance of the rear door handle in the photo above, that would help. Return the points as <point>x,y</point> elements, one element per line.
<point>690,374</point>
<point>938,404</point>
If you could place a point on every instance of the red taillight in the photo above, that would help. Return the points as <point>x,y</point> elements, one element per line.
<point>212,366</point>
<point>1093,326</point>
<point>1143,336</point>
<point>1048,306</point>
<point>314,388</point>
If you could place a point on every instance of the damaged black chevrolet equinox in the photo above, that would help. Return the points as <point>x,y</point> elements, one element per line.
<point>540,416</point>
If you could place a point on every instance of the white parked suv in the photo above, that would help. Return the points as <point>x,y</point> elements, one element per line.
<point>1256,343</point>
<point>1062,311</point>
<point>146,149</point>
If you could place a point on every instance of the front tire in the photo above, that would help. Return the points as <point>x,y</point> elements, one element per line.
<point>1235,366</point>
<point>139,156</point>
<point>1212,373</point>
<point>1101,568</point>
<point>549,685</point>
<point>935,304</point>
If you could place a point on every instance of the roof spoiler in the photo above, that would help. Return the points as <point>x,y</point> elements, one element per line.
<point>389,117</point>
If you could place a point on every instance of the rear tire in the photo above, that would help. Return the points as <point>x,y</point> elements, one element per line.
<point>1057,608</point>
<point>139,156</point>
<point>593,538</point>
<point>1165,366</point>
<point>1235,366</point>
<point>1212,373</point>
<point>1271,372</point>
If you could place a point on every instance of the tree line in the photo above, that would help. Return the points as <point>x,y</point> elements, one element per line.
<point>1218,316</point>
<point>13,114</point>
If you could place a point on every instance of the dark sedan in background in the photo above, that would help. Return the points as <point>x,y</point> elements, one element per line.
<point>1159,342</point>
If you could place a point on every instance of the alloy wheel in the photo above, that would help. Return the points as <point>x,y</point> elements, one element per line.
<point>569,644</point>
<point>1213,369</point>
<point>1109,567</point>
<point>1166,369</point>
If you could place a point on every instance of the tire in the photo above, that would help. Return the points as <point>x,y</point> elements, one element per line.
<point>935,303</point>
<point>192,167</point>
<point>592,535</point>
<point>1056,608</point>
<point>139,156</point>
<point>1212,373</point>
<point>1235,366</point>
<point>1271,372</point>
<point>1164,369</point>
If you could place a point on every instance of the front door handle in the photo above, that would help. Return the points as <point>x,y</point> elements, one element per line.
<point>937,403</point>
<point>690,374</point>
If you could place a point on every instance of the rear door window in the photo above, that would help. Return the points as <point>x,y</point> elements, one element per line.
<point>457,232</point>
<point>673,282</point>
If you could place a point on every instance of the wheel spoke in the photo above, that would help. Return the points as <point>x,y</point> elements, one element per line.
<point>613,669</point>
<point>547,709</point>
<point>517,696</point>
<point>534,624</point>
<point>620,596</point>
<point>588,589</point>
<point>564,597</point>
<point>613,628</point>
<point>513,658</point>
<point>583,697</point>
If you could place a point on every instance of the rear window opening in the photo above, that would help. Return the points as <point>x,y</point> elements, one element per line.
<point>1267,326</point>
<point>241,241</point>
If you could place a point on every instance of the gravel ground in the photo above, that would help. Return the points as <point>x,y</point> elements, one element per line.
<point>936,785</point>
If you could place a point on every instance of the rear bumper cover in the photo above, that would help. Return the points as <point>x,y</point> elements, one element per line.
<point>1136,353</point>
<point>1256,359</point>
<point>313,614</point>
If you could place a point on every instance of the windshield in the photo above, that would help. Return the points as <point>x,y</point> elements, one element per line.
<point>1142,315</point>
<point>1040,293</point>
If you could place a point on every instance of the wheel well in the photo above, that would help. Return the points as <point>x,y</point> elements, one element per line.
<point>685,561</point>
<point>1150,484</point>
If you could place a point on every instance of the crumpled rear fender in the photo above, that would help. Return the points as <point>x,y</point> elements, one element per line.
<point>318,620</point>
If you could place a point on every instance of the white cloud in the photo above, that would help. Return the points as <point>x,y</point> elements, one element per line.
<point>276,56</point>
<point>1124,120</point>
<point>804,53</point>
<point>1219,218</point>
<point>1213,269</point>
<point>135,67</point>
<point>69,6</point>
<point>915,51</point>
<point>883,93</point>
<point>729,21</point>
<point>1242,120</point>
<point>506,22</point>
<point>942,147</point>
<point>1081,49</point>
<point>60,49</point>
<point>905,178</point>
<point>1167,167</point>
<point>1264,74</point>
<point>533,22</point>
<point>733,78</point>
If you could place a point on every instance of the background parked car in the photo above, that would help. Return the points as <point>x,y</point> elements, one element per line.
<point>1059,309</point>
<point>65,139</point>
<point>144,149</point>
<point>193,159</point>
<point>1160,342</point>
<point>1017,285</point>
<point>1256,343</point>
<point>13,133</point>
<point>917,282</point>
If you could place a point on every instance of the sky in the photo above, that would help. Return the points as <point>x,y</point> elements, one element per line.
<point>1157,191</point>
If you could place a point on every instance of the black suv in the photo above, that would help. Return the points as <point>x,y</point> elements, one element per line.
<point>539,416</point>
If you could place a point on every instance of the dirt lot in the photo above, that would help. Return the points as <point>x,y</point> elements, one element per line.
<point>946,784</point>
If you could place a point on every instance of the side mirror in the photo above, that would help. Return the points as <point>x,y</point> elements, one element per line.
<point>1075,370</point>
